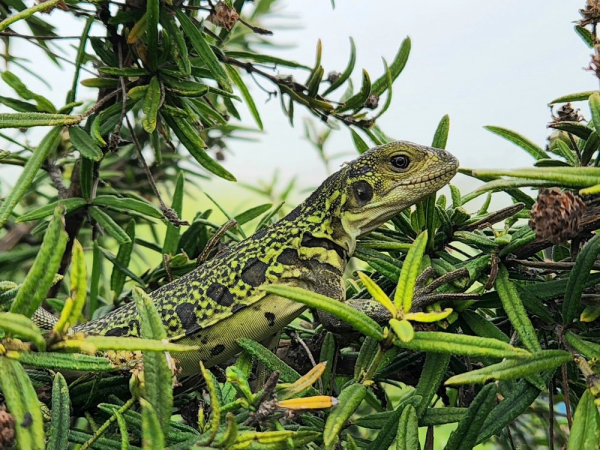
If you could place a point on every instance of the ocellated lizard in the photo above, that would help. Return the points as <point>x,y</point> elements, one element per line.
<point>223,300</point>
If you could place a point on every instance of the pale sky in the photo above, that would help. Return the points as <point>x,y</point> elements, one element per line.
<point>481,62</point>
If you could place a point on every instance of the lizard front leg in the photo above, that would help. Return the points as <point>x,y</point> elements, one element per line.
<point>424,295</point>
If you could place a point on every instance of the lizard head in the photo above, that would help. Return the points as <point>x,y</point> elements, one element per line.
<point>387,179</point>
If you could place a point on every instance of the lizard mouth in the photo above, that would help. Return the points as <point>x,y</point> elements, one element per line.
<point>445,173</point>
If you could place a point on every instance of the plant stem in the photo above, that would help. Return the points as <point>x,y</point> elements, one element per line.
<point>107,424</point>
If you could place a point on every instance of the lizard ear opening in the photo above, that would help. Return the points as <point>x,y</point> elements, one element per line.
<point>363,192</point>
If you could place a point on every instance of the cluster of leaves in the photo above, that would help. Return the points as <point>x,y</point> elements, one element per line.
<point>459,302</point>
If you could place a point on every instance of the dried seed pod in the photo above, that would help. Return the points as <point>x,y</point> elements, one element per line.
<point>556,215</point>
<point>7,428</point>
<point>566,113</point>
<point>591,13</point>
<point>372,101</point>
<point>223,16</point>
<point>333,76</point>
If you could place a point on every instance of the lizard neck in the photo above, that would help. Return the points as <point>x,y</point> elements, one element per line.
<point>319,217</point>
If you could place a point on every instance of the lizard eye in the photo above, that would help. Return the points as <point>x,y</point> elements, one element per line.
<point>400,161</point>
<point>363,192</point>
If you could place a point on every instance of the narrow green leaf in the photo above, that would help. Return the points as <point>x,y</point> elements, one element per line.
<point>431,377</point>
<point>585,433</point>
<point>408,430</point>
<point>533,149</point>
<point>513,306</point>
<point>109,225</point>
<point>95,279</point>
<point>577,97</point>
<point>69,204</point>
<point>43,104</point>
<point>125,204</point>
<point>440,138</point>
<point>62,361</point>
<point>22,327</point>
<point>465,435</point>
<point>41,275</point>
<point>172,232</point>
<point>35,162</point>
<point>377,293</point>
<point>351,316</point>
<point>99,343</point>
<point>514,368</point>
<point>179,50</point>
<point>79,58</point>
<point>22,402</point>
<point>152,17</point>
<point>396,68</point>
<point>349,399</point>
<point>269,360</point>
<point>204,50</point>
<point>153,437</point>
<point>358,100</point>
<point>77,288</point>
<point>237,79</point>
<point>410,271</point>
<point>25,14</point>
<point>403,329</point>
<point>520,396</point>
<point>590,350</point>
<point>460,344</point>
<point>388,432</point>
<point>28,120</point>
<point>367,352</point>
<point>346,73</point>
<point>158,384</point>
<point>213,390</point>
<point>359,143</point>
<point>61,414</point>
<point>578,278</point>
<point>252,213</point>
<point>84,143</point>
<point>189,137</point>
<point>117,277</point>
<point>482,326</point>
<point>151,104</point>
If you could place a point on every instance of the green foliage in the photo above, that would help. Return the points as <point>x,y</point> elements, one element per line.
<point>461,297</point>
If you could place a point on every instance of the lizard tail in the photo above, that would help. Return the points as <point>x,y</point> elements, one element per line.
<point>44,319</point>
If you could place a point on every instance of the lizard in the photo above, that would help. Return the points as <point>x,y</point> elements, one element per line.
<point>223,300</point>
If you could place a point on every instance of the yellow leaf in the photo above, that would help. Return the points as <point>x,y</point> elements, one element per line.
<point>429,316</point>
<point>377,293</point>
<point>410,271</point>
<point>403,329</point>
<point>316,402</point>
<point>590,313</point>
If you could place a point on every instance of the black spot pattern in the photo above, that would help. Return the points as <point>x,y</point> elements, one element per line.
<point>217,350</point>
<point>220,294</point>
<point>308,240</point>
<point>288,257</point>
<point>121,331</point>
<point>187,315</point>
<point>254,272</point>
<point>270,318</point>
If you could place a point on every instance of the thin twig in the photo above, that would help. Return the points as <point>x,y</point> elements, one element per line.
<point>298,339</point>
<point>40,38</point>
<point>107,424</point>
<point>214,241</point>
<point>495,217</point>
<point>56,177</point>
<point>169,213</point>
<point>565,387</point>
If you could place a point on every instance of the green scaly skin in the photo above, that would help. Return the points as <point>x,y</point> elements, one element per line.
<point>224,300</point>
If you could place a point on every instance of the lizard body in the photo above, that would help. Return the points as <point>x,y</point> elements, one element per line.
<point>223,300</point>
